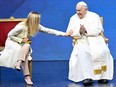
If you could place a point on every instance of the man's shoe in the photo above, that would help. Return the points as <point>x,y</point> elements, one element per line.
<point>103,81</point>
<point>87,82</point>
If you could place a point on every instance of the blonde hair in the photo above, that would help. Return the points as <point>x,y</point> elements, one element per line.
<point>32,23</point>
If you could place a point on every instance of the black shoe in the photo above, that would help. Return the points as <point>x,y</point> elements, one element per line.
<point>87,82</point>
<point>103,81</point>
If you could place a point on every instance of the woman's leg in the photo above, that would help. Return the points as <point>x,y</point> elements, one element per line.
<point>25,67</point>
<point>23,55</point>
<point>24,62</point>
<point>24,52</point>
<point>26,72</point>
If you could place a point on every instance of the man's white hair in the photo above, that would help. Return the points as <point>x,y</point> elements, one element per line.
<point>82,3</point>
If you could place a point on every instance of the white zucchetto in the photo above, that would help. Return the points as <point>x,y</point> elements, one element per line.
<point>82,3</point>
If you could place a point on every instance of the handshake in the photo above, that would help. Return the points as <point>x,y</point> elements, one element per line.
<point>82,31</point>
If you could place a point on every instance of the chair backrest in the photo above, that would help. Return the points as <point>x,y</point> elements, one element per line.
<point>101,19</point>
<point>102,33</point>
<point>5,26</point>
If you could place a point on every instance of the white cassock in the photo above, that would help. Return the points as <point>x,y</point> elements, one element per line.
<point>10,54</point>
<point>90,57</point>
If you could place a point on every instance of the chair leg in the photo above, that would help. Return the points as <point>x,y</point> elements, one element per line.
<point>30,68</point>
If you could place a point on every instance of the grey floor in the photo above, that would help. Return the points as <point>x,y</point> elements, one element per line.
<point>45,74</point>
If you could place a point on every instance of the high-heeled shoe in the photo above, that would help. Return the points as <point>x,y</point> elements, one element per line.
<point>17,66</point>
<point>28,80</point>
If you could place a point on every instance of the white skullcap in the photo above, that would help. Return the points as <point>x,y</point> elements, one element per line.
<point>82,3</point>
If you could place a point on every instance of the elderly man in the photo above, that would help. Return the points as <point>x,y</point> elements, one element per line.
<point>90,59</point>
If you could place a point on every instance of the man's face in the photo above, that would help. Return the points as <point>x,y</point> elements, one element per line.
<point>81,11</point>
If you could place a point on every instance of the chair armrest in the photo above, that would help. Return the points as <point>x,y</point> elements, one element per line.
<point>74,41</point>
<point>106,39</point>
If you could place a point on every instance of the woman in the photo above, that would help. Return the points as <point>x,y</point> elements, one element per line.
<point>17,46</point>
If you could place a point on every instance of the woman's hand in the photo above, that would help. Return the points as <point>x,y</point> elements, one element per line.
<point>25,40</point>
<point>69,33</point>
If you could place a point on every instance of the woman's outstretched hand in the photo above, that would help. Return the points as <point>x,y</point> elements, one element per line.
<point>69,33</point>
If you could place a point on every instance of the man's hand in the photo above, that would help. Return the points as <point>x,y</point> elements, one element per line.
<point>82,30</point>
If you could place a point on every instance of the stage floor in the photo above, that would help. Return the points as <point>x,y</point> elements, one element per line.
<point>46,74</point>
